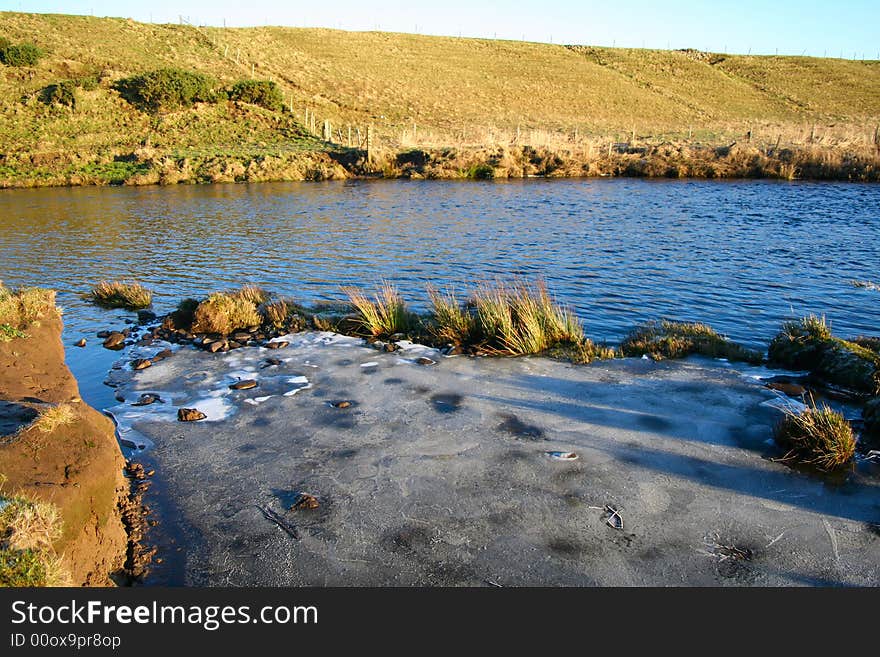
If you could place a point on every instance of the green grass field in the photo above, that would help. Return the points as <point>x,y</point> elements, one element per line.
<point>416,91</point>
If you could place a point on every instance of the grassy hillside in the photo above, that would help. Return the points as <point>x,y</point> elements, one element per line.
<point>415,90</point>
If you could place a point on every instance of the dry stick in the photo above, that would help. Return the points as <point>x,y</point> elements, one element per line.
<point>269,514</point>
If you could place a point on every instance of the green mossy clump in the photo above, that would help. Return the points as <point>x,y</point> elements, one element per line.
<point>666,339</point>
<point>168,88</point>
<point>808,344</point>
<point>481,172</point>
<point>264,93</point>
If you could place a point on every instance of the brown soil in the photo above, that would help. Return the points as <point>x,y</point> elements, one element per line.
<point>78,466</point>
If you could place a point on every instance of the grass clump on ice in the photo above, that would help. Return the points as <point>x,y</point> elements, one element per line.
<point>511,320</point>
<point>224,312</point>
<point>817,436</point>
<point>119,294</point>
<point>667,339</point>
<point>383,315</point>
<point>28,531</point>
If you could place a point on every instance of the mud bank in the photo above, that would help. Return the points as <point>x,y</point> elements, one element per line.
<point>344,465</point>
<point>77,465</point>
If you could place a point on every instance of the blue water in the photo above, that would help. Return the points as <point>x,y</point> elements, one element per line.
<point>742,256</point>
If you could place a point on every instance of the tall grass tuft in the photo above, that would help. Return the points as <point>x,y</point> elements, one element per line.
<point>119,294</point>
<point>811,327</point>
<point>384,315</point>
<point>818,436</point>
<point>253,293</point>
<point>451,321</point>
<point>20,309</point>
<point>224,312</point>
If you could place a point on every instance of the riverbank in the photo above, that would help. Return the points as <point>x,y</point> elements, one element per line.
<point>55,449</point>
<point>628,160</point>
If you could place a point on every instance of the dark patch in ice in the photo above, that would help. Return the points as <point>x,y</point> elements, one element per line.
<point>344,362</point>
<point>448,402</point>
<point>344,453</point>
<point>512,425</point>
<point>566,546</point>
<point>392,381</point>
<point>405,539</point>
<point>260,422</point>
<point>654,423</point>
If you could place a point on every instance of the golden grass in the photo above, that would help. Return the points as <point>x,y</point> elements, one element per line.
<point>23,308</point>
<point>252,293</point>
<point>28,531</point>
<point>119,294</point>
<point>55,416</point>
<point>277,313</point>
<point>666,339</point>
<point>385,314</point>
<point>429,91</point>
<point>811,327</point>
<point>224,312</point>
<point>817,436</point>
<point>452,322</point>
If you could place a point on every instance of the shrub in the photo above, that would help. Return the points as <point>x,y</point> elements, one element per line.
<point>167,88</point>
<point>223,313</point>
<point>59,93</point>
<point>258,92</point>
<point>22,54</point>
<point>818,436</point>
<point>118,294</point>
<point>481,172</point>
<point>383,316</point>
<point>87,82</point>
<point>667,339</point>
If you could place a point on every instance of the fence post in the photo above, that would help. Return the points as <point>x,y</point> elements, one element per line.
<point>328,131</point>
<point>349,136</point>
<point>370,143</point>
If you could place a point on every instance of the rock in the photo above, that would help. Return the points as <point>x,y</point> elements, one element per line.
<point>234,344</point>
<point>305,501</point>
<point>115,341</point>
<point>341,404</point>
<point>141,363</point>
<point>102,334</point>
<point>247,384</point>
<point>871,416</point>
<point>276,345</point>
<point>424,360</point>
<point>390,347</point>
<point>453,350</point>
<point>119,397</point>
<point>190,415</point>
<point>146,399</point>
<point>241,336</point>
<point>214,347</point>
<point>145,316</point>
<point>790,389</point>
<point>80,343</point>
<point>162,355</point>
<point>832,360</point>
<point>146,341</point>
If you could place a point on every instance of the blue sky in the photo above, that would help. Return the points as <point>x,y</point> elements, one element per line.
<point>845,28</point>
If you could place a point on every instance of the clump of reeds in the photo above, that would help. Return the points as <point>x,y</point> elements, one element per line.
<point>119,294</point>
<point>811,327</point>
<point>504,319</point>
<point>817,435</point>
<point>666,339</point>
<point>224,312</point>
<point>23,308</point>
<point>28,531</point>
<point>385,314</point>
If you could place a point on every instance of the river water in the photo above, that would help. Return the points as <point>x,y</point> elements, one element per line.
<point>742,256</point>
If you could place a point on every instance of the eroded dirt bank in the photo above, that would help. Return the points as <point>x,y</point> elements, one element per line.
<point>76,465</point>
<point>336,464</point>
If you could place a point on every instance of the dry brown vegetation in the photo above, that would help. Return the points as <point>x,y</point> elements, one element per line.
<point>23,308</point>
<point>119,294</point>
<point>818,436</point>
<point>518,108</point>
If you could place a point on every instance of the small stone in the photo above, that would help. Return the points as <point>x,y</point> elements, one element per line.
<point>145,316</point>
<point>247,384</point>
<point>271,362</point>
<point>119,397</point>
<point>146,399</point>
<point>115,341</point>
<point>341,404</point>
<point>390,347</point>
<point>141,363</point>
<point>190,415</point>
<point>234,344</point>
<point>305,501</point>
<point>80,343</point>
<point>424,360</point>
<point>146,341</point>
<point>277,345</point>
<point>241,336</point>
<point>790,389</point>
<point>454,350</point>
<point>162,355</point>
<point>214,347</point>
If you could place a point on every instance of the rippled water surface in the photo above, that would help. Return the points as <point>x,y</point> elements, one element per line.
<point>742,256</point>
